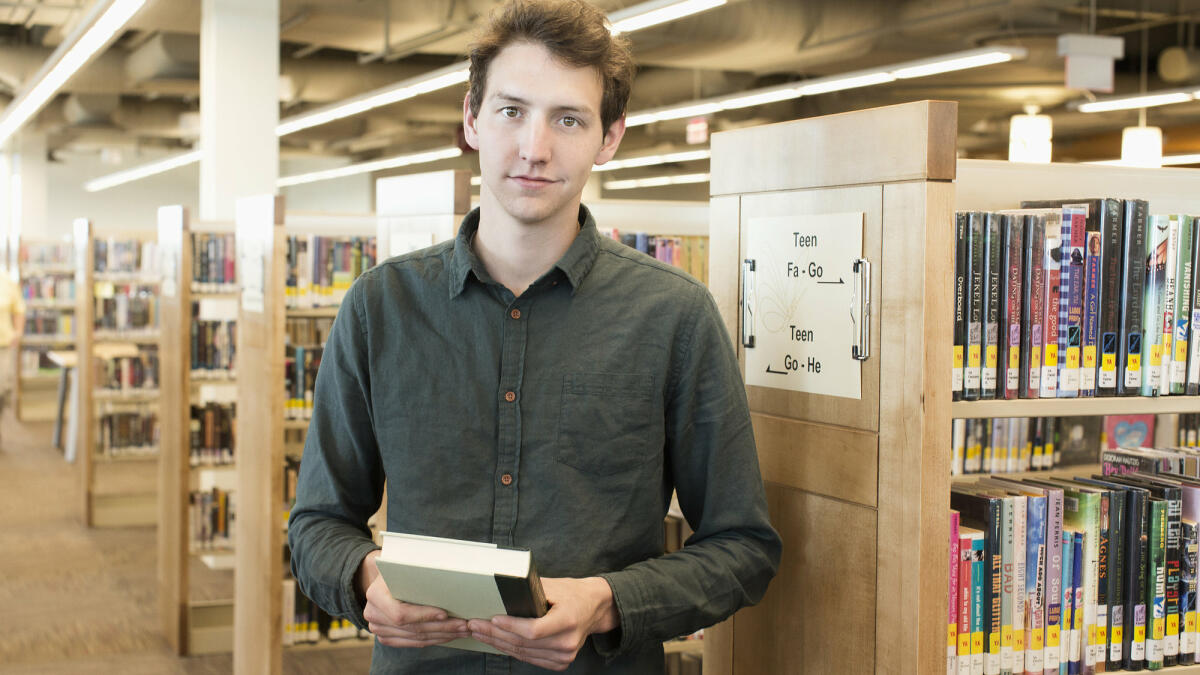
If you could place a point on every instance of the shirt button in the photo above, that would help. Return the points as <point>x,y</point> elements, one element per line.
<point>510,396</point>
<point>516,314</point>
<point>506,479</point>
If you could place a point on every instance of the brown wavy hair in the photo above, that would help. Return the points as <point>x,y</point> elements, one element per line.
<point>574,31</point>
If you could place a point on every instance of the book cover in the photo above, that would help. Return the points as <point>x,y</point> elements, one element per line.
<point>1032,309</point>
<point>1156,583</point>
<point>1035,583</point>
<point>1092,260</point>
<point>993,244</point>
<point>1133,281</point>
<point>1187,598</point>
<point>1020,528</point>
<point>1010,316</point>
<point>1181,307</point>
<point>970,608</point>
<point>1154,300</point>
<point>1167,305</point>
<point>469,580</point>
<point>1110,294</point>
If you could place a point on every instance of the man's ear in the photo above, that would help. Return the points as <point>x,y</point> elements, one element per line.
<point>612,139</point>
<point>469,131</point>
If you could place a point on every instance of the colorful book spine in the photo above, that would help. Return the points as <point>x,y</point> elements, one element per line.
<point>1078,657</point>
<point>1010,360</point>
<point>1035,584</point>
<point>1070,312</point>
<point>1091,308</point>
<point>1007,579</point>
<point>1068,603</point>
<point>1156,585</point>
<point>1187,599</point>
<point>1033,308</point>
<point>1050,318</point>
<point>970,546</point>
<point>1056,563</point>
<point>979,572</point>
<point>1158,236</point>
<point>973,372</point>
<point>1020,527</point>
<point>1193,361</point>
<point>1167,307</point>
<point>1133,292</point>
<point>1182,306</point>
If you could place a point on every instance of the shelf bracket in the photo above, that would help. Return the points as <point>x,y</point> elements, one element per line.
<point>747,304</point>
<point>860,310</point>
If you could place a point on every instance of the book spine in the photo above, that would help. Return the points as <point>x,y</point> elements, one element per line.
<point>1091,303</point>
<point>1192,387</point>
<point>953,593</point>
<point>1078,659</point>
<point>1110,294</point>
<point>959,446</point>
<point>1049,383</point>
<point>1116,579</point>
<point>1054,580</point>
<point>1099,640</point>
<point>1070,312</point>
<point>1133,282</point>
<point>1173,577</point>
<point>1007,572</point>
<point>1167,305</point>
<point>1066,649</point>
<point>995,566</point>
<point>992,303</point>
<point>1035,585</point>
<point>1020,526</point>
<point>1032,308</point>
<point>1181,309</point>
<point>1011,330</point>
<point>1187,597</point>
<point>1158,234</point>
<point>979,568</point>
<point>1156,585</point>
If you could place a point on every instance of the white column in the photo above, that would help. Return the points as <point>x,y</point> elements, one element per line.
<point>239,103</point>
<point>27,192</point>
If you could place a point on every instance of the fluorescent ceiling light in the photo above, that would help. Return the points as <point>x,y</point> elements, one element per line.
<point>1139,101</point>
<point>653,13</point>
<point>1179,160</point>
<point>973,58</point>
<point>143,171</point>
<point>824,85</point>
<point>652,160</point>
<point>627,20</point>
<point>94,33</point>
<point>367,167</point>
<point>422,84</point>
<point>656,181</point>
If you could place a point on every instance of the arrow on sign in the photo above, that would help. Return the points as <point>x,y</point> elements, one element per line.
<point>839,281</point>
<point>776,372</point>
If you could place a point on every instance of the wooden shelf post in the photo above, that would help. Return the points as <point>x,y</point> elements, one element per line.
<point>258,605</point>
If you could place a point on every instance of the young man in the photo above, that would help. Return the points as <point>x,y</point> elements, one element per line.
<point>535,384</point>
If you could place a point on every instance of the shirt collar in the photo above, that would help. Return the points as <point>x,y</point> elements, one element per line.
<point>574,264</point>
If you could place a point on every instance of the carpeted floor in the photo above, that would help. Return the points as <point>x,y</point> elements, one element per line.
<point>76,601</point>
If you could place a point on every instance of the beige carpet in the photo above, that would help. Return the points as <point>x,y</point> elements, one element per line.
<point>74,600</point>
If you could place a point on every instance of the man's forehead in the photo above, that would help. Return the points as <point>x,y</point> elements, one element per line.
<point>528,73</point>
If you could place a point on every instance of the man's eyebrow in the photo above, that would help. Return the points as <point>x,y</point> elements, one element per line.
<point>511,98</point>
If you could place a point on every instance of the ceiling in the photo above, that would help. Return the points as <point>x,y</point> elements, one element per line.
<point>143,92</point>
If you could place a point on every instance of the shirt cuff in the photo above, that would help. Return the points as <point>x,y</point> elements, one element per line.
<point>622,638</point>
<point>349,592</point>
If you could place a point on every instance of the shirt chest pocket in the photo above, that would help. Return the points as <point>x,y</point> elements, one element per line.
<point>608,422</point>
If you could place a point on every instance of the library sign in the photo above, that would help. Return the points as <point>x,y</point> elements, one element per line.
<point>805,291</point>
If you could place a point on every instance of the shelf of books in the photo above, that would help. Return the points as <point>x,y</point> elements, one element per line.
<point>197,480</point>
<point>290,285</point>
<point>47,284</point>
<point>1108,348</point>
<point>116,386</point>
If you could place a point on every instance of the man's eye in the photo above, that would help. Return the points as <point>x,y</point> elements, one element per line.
<point>570,122</point>
<point>509,111</point>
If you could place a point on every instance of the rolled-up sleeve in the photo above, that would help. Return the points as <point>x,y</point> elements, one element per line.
<point>341,477</point>
<point>734,553</point>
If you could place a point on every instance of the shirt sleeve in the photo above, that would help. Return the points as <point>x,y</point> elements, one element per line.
<point>341,476</point>
<point>734,553</point>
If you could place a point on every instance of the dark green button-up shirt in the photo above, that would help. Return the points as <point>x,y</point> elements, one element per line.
<point>562,428</point>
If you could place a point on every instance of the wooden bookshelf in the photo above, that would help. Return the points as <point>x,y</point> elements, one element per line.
<point>115,491</point>
<point>192,622</point>
<point>34,394</point>
<point>867,481</point>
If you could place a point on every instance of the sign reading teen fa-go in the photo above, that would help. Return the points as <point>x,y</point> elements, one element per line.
<point>798,303</point>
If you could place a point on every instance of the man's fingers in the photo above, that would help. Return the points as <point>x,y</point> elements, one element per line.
<point>545,658</point>
<point>407,633</point>
<point>534,629</point>
<point>402,642</point>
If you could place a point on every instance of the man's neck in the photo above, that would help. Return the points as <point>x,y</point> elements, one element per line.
<point>516,254</point>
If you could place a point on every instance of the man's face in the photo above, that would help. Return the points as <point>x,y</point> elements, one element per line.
<point>538,134</point>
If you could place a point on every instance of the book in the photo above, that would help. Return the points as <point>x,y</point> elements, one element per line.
<point>1051,305</point>
<point>1009,369</point>
<point>970,607</point>
<point>1070,313</point>
<point>953,594</point>
<point>1193,360</point>
<point>1033,307</point>
<point>467,579</point>
<point>960,305</point>
<point>993,244</point>
<point>1133,282</point>
<point>1157,247</point>
<point>1176,382</point>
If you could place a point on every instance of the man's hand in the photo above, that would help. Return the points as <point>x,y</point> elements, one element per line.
<point>400,624</point>
<point>579,607</point>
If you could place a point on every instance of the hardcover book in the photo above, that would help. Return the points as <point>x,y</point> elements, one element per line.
<point>1133,282</point>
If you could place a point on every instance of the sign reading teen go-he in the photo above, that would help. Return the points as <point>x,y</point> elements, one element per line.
<point>799,286</point>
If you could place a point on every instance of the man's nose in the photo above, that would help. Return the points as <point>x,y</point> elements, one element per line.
<point>535,143</point>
